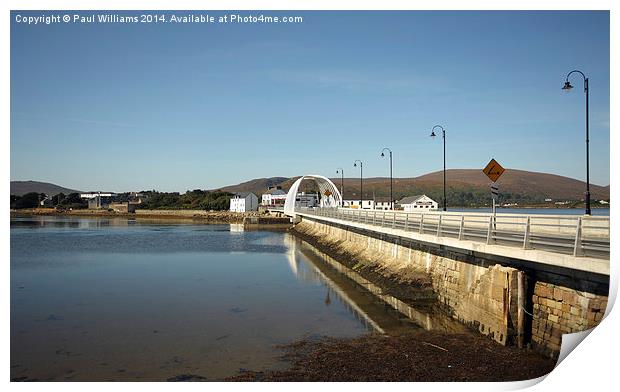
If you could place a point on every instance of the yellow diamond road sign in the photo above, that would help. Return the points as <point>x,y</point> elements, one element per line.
<point>493,170</point>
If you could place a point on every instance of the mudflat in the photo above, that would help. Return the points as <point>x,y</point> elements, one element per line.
<point>419,356</point>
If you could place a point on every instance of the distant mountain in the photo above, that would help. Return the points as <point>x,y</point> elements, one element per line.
<point>461,183</point>
<point>257,186</point>
<point>20,188</point>
<point>513,181</point>
<point>464,186</point>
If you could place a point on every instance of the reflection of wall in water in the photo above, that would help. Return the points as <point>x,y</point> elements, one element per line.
<point>236,227</point>
<point>307,272</point>
<point>85,223</point>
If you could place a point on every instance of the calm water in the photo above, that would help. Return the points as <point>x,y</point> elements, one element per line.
<point>117,299</point>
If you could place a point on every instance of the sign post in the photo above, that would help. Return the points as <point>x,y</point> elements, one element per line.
<point>495,193</point>
<point>494,170</point>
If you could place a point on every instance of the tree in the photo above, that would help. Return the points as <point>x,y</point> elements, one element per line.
<point>73,200</point>
<point>57,199</point>
<point>29,200</point>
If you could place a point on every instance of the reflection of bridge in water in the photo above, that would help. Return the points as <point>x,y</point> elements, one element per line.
<point>379,313</point>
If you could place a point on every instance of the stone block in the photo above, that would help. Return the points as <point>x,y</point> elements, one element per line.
<point>568,296</point>
<point>497,292</point>
<point>539,289</point>
<point>543,291</point>
<point>557,294</point>
<point>553,318</point>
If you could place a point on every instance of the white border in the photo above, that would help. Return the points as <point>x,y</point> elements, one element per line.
<point>591,366</point>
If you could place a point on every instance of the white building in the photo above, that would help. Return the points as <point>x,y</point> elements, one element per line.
<point>366,204</point>
<point>383,204</point>
<point>418,203</point>
<point>243,201</point>
<point>98,200</point>
<point>306,200</point>
<point>275,196</point>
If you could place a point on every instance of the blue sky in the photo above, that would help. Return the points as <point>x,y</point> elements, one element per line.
<point>183,106</point>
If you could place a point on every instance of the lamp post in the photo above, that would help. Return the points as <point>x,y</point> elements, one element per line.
<point>341,171</point>
<point>361,182</point>
<point>567,87</point>
<point>443,135</point>
<point>391,185</point>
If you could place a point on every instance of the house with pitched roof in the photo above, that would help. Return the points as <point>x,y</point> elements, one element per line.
<point>243,201</point>
<point>418,203</point>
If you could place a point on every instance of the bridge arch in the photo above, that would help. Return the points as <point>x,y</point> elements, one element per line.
<point>330,196</point>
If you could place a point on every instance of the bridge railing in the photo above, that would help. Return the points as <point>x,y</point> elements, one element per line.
<point>570,234</point>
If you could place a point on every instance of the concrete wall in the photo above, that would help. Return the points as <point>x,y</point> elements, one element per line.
<point>493,297</point>
<point>123,207</point>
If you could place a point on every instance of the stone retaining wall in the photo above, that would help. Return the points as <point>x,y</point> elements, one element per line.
<point>171,212</point>
<point>559,310</point>
<point>477,296</point>
<point>510,305</point>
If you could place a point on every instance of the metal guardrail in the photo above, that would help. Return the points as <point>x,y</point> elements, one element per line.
<point>568,234</point>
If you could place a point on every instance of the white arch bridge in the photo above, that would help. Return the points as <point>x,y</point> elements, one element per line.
<point>576,235</point>
<point>329,196</point>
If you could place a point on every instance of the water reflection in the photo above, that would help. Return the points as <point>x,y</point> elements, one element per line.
<point>236,228</point>
<point>101,299</point>
<point>67,222</point>
<point>118,299</point>
<point>309,271</point>
<point>311,265</point>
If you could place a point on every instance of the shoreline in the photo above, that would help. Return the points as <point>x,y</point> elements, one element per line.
<point>189,215</point>
<point>413,357</point>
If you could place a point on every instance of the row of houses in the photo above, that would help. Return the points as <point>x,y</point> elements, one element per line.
<point>275,197</point>
<point>407,204</point>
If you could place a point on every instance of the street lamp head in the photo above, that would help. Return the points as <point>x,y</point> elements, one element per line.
<point>382,154</point>
<point>433,134</point>
<point>567,86</point>
<point>354,164</point>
